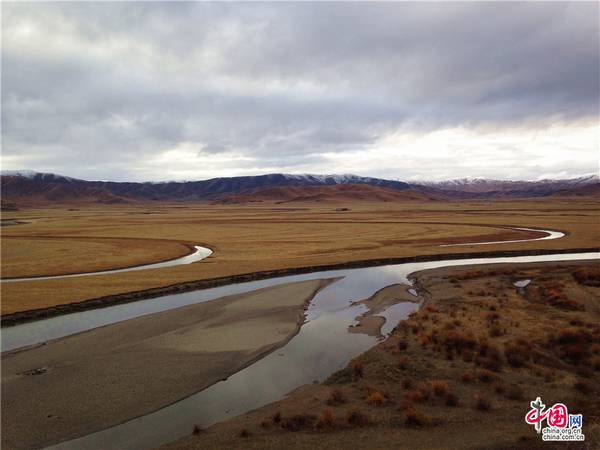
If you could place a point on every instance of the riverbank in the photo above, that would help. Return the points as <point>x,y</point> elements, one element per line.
<point>90,381</point>
<point>100,302</point>
<point>460,373</point>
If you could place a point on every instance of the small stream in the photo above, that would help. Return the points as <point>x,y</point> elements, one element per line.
<point>322,346</point>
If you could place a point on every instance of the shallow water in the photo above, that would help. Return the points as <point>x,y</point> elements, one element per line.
<point>322,346</point>
<point>198,254</point>
<point>522,283</point>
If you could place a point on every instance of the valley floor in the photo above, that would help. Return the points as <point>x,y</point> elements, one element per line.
<point>262,236</point>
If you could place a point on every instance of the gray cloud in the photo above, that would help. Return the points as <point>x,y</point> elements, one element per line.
<point>97,90</point>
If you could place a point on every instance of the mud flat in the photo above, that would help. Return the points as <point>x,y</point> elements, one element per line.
<point>90,381</point>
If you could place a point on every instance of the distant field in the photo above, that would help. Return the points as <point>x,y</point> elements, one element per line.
<point>256,237</point>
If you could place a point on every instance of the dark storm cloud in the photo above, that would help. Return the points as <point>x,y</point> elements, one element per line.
<point>97,89</point>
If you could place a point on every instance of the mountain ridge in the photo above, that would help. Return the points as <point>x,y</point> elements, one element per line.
<point>30,187</point>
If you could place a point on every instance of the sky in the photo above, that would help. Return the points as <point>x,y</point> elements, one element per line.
<point>412,91</point>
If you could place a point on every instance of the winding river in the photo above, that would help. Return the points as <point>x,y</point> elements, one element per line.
<point>322,346</point>
<point>197,254</point>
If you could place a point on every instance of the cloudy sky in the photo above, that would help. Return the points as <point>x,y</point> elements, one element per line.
<point>159,91</point>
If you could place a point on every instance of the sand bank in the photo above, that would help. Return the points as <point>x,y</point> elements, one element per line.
<point>87,382</point>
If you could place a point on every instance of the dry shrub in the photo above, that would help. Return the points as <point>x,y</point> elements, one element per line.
<point>468,355</point>
<point>298,422</point>
<point>588,276</point>
<point>358,369</point>
<point>276,418</point>
<point>451,400</point>
<point>486,376</point>
<point>336,397</point>
<point>514,392</point>
<point>482,403</point>
<point>496,330</point>
<point>326,420</point>
<point>489,364</point>
<point>583,386</point>
<point>402,344</point>
<point>375,398</point>
<point>573,335</point>
<point>245,433</point>
<point>440,388</point>
<point>357,418</point>
<point>197,430</point>
<point>517,353</point>
<point>402,363</point>
<point>407,383</point>
<point>415,418</point>
<point>466,377</point>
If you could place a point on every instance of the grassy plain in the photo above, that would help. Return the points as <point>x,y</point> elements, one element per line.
<point>459,373</point>
<point>257,237</point>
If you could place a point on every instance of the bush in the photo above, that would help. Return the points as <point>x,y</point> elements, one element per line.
<point>336,397</point>
<point>451,399</point>
<point>415,418</point>
<point>514,392</point>
<point>440,388</point>
<point>466,377</point>
<point>406,383</point>
<point>358,369</point>
<point>485,376</point>
<point>402,363</point>
<point>402,344</point>
<point>326,420</point>
<point>197,430</point>
<point>583,386</point>
<point>482,403</point>
<point>357,418</point>
<point>375,398</point>
<point>276,417</point>
<point>298,422</point>
<point>245,433</point>
<point>517,353</point>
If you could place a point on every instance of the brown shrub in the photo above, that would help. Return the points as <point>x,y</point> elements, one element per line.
<point>440,388</point>
<point>514,392</point>
<point>482,403</point>
<point>517,353</point>
<point>245,433</point>
<point>276,418</point>
<point>466,377</point>
<point>588,276</point>
<point>375,398</point>
<point>402,344</point>
<point>485,376</point>
<point>583,386</point>
<point>415,418</point>
<point>402,363</point>
<point>451,399</point>
<point>358,369</point>
<point>336,397</point>
<point>298,422</point>
<point>357,418</point>
<point>406,383</point>
<point>326,420</point>
<point>197,430</point>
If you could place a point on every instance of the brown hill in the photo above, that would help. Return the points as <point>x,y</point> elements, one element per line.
<point>40,191</point>
<point>328,193</point>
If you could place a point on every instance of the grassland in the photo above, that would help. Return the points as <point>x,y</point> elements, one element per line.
<point>257,237</point>
<point>459,373</point>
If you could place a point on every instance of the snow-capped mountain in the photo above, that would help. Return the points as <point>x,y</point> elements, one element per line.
<point>482,185</point>
<point>25,186</point>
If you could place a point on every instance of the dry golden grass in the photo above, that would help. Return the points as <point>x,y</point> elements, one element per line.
<point>256,237</point>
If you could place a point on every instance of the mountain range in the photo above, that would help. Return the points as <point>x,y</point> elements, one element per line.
<point>30,188</point>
